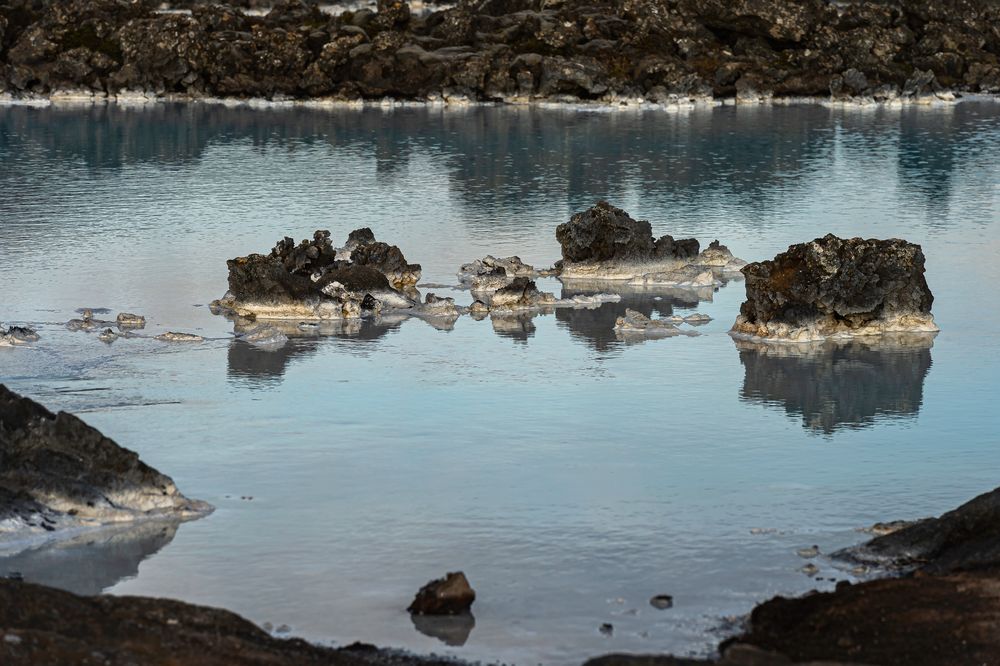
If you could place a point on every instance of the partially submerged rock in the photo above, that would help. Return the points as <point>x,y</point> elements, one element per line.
<point>311,280</point>
<point>636,322</point>
<point>17,335</point>
<point>265,336</point>
<point>129,320</point>
<point>520,294</point>
<point>605,243</point>
<point>488,274</point>
<point>58,472</point>
<point>174,336</point>
<point>964,539</point>
<point>833,287</point>
<point>451,595</point>
<point>438,306</point>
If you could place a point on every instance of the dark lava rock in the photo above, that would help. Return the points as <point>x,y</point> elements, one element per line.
<point>451,595</point>
<point>57,471</point>
<point>606,233</point>
<point>489,50</point>
<point>924,621</point>
<point>834,286</point>
<point>307,279</point>
<point>965,539</point>
<point>603,233</point>
<point>41,625</point>
<point>662,601</point>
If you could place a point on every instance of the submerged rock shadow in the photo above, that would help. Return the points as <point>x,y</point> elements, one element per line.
<point>835,385</point>
<point>94,561</point>
<point>451,630</point>
<point>595,327</point>
<point>247,362</point>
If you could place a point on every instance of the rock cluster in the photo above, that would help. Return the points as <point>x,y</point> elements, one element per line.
<point>605,243</point>
<point>663,51</point>
<point>834,287</point>
<point>313,280</point>
<point>58,472</point>
<point>486,275</point>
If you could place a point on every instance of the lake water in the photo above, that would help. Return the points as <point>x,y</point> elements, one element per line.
<point>571,475</point>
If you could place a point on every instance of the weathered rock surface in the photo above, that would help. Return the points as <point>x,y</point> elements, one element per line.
<point>17,335</point>
<point>520,294</point>
<point>965,539</point>
<point>451,595</point>
<point>662,51</point>
<point>834,287</point>
<point>310,281</point>
<point>41,625</point>
<point>605,243</point>
<point>488,274</point>
<point>57,472</point>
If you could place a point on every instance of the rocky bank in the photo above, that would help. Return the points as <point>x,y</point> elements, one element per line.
<point>661,51</point>
<point>57,473</point>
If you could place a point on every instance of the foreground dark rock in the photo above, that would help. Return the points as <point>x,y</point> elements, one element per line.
<point>662,51</point>
<point>57,472</point>
<point>834,287</point>
<point>41,625</point>
<point>451,595</point>
<point>965,539</point>
<point>605,243</point>
<point>313,280</point>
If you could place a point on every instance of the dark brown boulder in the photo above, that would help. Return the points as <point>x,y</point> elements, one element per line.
<point>833,286</point>
<point>451,595</point>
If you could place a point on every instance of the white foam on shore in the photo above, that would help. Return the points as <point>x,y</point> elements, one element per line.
<point>454,103</point>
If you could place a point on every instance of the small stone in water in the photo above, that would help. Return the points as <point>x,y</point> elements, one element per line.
<point>662,601</point>
<point>808,553</point>
<point>283,629</point>
<point>810,569</point>
<point>607,629</point>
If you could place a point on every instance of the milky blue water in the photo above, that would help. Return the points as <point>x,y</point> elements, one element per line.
<point>570,474</point>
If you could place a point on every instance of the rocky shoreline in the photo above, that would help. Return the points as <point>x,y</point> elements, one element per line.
<point>663,52</point>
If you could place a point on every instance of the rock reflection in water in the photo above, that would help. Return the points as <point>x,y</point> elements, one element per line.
<point>449,629</point>
<point>92,562</point>
<point>249,362</point>
<point>839,384</point>
<point>596,326</point>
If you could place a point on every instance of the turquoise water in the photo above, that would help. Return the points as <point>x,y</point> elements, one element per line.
<point>571,475</point>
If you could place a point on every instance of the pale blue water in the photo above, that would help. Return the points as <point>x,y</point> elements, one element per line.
<point>570,475</point>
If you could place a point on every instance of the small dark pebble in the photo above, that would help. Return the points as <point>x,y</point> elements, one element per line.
<point>607,629</point>
<point>662,601</point>
<point>48,527</point>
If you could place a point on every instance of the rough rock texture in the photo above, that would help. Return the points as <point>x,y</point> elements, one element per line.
<point>834,287</point>
<point>605,243</point>
<point>17,335</point>
<point>308,281</point>
<point>965,539</point>
<point>636,322</point>
<point>451,595</point>
<point>488,274</point>
<point>520,294</point>
<point>41,625</point>
<point>924,621</point>
<point>56,471</point>
<point>659,50</point>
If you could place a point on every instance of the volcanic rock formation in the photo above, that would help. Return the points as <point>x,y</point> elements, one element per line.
<point>834,287</point>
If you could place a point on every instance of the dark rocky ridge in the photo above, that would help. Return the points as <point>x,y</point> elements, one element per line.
<point>659,50</point>
<point>57,472</point>
<point>836,287</point>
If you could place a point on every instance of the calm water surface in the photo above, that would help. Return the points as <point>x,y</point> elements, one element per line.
<point>571,475</point>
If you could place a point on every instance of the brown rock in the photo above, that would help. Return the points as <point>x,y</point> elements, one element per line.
<point>450,595</point>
